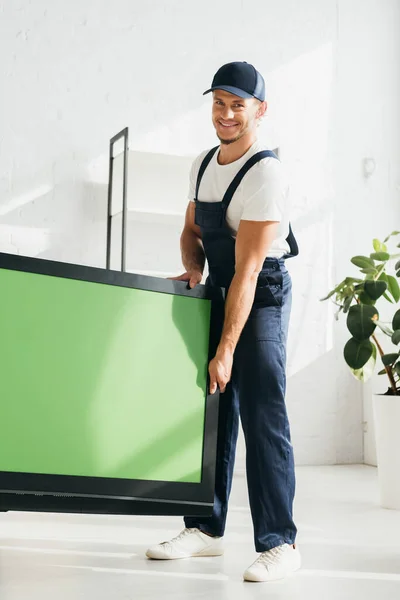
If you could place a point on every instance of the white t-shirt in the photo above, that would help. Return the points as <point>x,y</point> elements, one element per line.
<point>263,194</point>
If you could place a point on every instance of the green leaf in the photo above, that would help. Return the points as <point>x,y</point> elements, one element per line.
<point>360,323</point>
<point>396,320</point>
<point>376,244</point>
<point>334,291</point>
<point>357,353</point>
<point>397,368</point>
<point>396,337</point>
<point>347,303</point>
<point>384,277</point>
<point>367,370</point>
<point>388,298</point>
<point>381,269</point>
<point>398,273</point>
<point>363,262</point>
<point>381,256</point>
<point>365,299</point>
<point>389,359</point>
<point>348,291</point>
<point>394,287</point>
<point>392,234</point>
<point>375,289</point>
<point>397,265</point>
<point>383,372</point>
<point>369,271</point>
<point>328,296</point>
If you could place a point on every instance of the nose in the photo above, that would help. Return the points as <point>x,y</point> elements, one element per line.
<point>227,113</point>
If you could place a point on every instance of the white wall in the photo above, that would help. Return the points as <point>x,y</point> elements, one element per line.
<point>72,75</point>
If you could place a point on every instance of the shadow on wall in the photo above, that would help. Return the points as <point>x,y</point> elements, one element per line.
<point>313,414</point>
<point>94,208</point>
<point>311,325</point>
<point>99,88</point>
<point>45,222</point>
<point>60,128</point>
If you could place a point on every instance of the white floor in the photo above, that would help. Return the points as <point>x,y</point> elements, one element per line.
<point>350,548</point>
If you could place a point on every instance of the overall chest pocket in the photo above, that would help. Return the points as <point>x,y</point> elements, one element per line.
<point>209,215</point>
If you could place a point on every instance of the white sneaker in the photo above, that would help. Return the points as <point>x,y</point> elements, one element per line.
<point>190,542</point>
<point>274,564</point>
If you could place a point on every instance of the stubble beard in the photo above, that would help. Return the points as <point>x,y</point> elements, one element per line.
<point>226,142</point>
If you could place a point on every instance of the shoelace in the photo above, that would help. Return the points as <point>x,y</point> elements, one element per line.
<point>178,538</point>
<point>270,557</point>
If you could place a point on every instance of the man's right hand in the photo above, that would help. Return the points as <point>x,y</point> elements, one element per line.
<point>192,277</point>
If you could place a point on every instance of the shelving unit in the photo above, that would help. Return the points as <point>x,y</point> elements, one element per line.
<point>148,196</point>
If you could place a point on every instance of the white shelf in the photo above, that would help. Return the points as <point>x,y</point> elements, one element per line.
<point>153,216</point>
<point>143,211</point>
<point>156,182</point>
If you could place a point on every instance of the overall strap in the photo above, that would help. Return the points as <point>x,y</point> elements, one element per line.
<point>203,167</point>
<point>242,172</point>
<point>291,240</point>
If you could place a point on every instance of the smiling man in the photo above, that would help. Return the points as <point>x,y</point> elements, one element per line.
<point>237,219</point>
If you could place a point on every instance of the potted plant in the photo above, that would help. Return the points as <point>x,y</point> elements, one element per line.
<point>357,297</point>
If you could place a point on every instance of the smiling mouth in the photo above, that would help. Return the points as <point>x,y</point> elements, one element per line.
<point>227,125</point>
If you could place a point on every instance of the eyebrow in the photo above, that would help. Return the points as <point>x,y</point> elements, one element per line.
<point>236,100</point>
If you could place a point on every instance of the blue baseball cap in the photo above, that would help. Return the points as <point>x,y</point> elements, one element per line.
<point>241,79</point>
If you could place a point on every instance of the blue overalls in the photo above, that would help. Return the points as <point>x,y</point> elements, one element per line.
<point>257,387</point>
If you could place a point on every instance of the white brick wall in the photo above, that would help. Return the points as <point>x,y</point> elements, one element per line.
<point>73,74</point>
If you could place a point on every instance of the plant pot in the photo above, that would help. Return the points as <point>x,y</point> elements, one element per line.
<point>387,423</point>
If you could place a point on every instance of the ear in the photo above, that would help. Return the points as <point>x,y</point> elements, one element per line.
<point>262,109</point>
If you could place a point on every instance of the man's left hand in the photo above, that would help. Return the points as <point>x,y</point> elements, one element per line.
<point>220,369</point>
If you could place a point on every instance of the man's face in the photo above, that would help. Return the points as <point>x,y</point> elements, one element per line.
<point>233,117</point>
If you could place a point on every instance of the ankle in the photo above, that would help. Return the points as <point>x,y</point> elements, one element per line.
<point>209,534</point>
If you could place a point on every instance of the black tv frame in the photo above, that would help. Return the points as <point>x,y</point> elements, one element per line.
<point>61,493</point>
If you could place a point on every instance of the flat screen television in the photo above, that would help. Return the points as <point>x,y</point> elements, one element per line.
<point>104,403</point>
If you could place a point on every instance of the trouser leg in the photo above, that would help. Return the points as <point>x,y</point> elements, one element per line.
<point>261,363</point>
<point>228,424</point>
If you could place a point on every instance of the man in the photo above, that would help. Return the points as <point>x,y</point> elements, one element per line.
<point>237,220</point>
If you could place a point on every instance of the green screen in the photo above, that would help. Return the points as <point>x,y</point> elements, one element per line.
<point>99,380</point>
